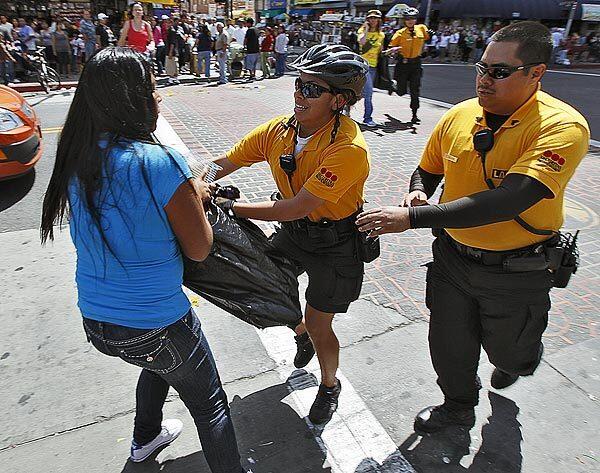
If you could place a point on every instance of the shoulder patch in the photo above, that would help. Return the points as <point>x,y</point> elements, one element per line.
<point>552,160</point>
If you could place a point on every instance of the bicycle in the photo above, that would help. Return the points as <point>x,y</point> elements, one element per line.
<point>48,78</point>
<point>293,53</point>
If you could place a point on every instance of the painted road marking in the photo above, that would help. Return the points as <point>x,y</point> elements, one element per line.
<point>56,129</point>
<point>354,440</point>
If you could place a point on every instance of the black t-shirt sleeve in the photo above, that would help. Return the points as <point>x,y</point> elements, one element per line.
<point>516,194</point>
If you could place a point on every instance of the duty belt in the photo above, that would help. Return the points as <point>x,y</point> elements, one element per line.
<point>496,258</point>
<point>410,60</point>
<point>345,225</point>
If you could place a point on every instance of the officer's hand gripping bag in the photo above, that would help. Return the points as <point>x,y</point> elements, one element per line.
<point>243,275</point>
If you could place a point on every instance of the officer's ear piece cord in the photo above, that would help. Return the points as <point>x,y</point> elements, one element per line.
<point>483,142</point>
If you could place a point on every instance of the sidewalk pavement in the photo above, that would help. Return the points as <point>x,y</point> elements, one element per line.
<point>68,408</point>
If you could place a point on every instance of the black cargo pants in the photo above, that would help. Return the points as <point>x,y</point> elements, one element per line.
<point>473,305</point>
<point>408,76</point>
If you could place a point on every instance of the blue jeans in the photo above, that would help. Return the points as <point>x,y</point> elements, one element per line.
<point>368,94</point>
<point>7,72</point>
<point>251,61</point>
<point>179,356</point>
<point>222,61</point>
<point>279,64</point>
<point>204,56</point>
<point>90,49</point>
<point>160,58</point>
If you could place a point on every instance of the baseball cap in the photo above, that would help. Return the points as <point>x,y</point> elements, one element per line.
<point>374,14</point>
<point>102,16</point>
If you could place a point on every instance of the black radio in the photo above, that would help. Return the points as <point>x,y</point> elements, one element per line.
<point>287,163</point>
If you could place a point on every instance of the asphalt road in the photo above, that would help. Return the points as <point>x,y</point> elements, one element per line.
<point>453,83</point>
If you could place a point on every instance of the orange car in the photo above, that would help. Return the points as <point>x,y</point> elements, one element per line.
<point>20,135</point>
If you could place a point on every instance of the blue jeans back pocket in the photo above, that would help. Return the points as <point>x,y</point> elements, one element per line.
<point>155,352</point>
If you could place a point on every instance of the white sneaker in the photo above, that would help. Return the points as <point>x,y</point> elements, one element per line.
<point>171,428</point>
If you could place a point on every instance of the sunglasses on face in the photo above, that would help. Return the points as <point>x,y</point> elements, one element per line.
<point>310,90</point>
<point>501,72</point>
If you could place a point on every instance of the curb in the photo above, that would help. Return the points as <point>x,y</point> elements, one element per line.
<point>35,87</point>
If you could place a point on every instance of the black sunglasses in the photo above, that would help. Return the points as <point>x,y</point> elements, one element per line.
<point>501,72</point>
<point>310,90</point>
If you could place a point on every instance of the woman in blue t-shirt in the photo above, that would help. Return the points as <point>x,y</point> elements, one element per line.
<point>132,205</point>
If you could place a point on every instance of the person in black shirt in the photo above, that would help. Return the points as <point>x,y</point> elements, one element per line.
<point>204,46</point>
<point>252,48</point>
<point>104,33</point>
<point>172,47</point>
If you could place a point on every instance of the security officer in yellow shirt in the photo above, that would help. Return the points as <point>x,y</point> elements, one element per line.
<point>506,158</point>
<point>320,162</point>
<point>370,40</point>
<point>408,43</point>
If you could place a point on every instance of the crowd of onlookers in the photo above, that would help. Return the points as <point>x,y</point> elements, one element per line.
<point>187,43</point>
<point>176,44</point>
<point>64,44</point>
<point>467,44</point>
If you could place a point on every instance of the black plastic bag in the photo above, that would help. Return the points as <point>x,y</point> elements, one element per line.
<point>383,80</point>
<point>244,276</point>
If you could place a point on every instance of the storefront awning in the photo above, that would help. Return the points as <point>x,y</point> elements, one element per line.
<point>302,11</point>
<point>272,13</point>
<point>164,3</point>
<point>331,6</point>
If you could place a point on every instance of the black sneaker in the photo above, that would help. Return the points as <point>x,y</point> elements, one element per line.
<point>501,379</point>
<point>304,350</point>
<point>434,418</point>
<point>415,120</point>
<point>325,404</point>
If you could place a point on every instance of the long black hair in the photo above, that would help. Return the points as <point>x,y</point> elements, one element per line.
<point>114,97</point>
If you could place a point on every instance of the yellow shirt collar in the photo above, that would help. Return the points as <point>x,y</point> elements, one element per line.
<point>517,115</point>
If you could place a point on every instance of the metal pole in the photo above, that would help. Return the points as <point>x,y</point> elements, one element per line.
<point>352,9</point>
<point>427,12</point>
<point>570,20</point>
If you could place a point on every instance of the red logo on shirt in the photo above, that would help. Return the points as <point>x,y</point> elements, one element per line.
<point>326,177</point>
<point>552,160</point>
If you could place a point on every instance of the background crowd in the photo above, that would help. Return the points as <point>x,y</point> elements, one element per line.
<point>187,43</point>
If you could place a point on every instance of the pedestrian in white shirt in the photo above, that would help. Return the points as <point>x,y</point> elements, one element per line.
<point>453,46</point>
<point>432,45</point>
<point>443,45</point>
<point>240,33</point>
<point>281,44</point>
<point>557,38</point>
<point>221,42</point>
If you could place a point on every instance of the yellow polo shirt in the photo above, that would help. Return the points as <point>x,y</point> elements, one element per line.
<point>412,45</point>
<point>372,48</point>
<point>545,139</point>
<point>334,172</point>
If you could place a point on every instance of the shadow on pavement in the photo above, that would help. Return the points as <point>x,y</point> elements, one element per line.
<point>391,125</point>
<point>194,462</point>
<point>271,436</point>
<point>500,450</point>
<point>13,190</point>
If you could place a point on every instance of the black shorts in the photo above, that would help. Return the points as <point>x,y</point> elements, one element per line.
<point>335,274</point>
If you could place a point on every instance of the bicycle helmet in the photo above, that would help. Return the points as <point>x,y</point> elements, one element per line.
<point>410,13</point>
<point>339,66</point>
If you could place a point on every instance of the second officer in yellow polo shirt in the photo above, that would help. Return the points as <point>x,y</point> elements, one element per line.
<point>320,162</point>
<point>408,44</point>
<point>506,158</point>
